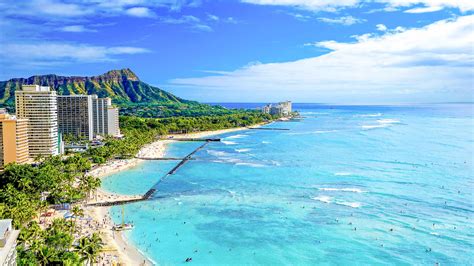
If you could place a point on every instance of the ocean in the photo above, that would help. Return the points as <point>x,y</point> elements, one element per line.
<point>358,185</point>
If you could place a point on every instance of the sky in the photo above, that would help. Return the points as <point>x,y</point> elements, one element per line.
<point>325,51</point>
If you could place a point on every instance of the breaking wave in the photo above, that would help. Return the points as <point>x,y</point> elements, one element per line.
<point>342,174</point>
<point>355,190</point>
<point>327,199</point>
<point>324,199</point>
<point>242,150</point>
<point>382,123</point>
<point>349,204</point>
<point>250,164</point>
<point>237,137</point>
<point>369,115</point>
<point>228,142</point>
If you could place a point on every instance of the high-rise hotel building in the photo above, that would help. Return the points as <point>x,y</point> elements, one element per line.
<point>39,105</point>
<point>106,117</point>
<point>87,116</point>
<point>13,140</point>
<point>75,116</point>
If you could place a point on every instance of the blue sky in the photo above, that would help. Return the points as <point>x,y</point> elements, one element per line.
<point>341,51</point>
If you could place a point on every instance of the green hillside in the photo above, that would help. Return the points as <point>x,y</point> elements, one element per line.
<point>123,86</point>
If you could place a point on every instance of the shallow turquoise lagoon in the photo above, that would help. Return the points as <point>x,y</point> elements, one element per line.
<point>347,185</point>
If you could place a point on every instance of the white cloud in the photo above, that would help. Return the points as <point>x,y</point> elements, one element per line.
<point>76,28</point>
<point>202,27</point>
<point>433,63</point>
<point>181,20</point>
<point>346,21</point>
<point>142,12</point>
<point>428,9</point>
<point>57,8</point>
<point>381,27</point>
<point>192,22</point>
<point>54,53</point>
<point>315,5</point>
<point>334,5</point>
<point>63,9</point>
<point>212,17</point>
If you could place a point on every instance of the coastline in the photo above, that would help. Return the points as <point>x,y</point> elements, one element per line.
<point>117,247</point>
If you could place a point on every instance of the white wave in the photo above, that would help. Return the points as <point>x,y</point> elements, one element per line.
<point>314,113</point>
<point>369,115</point>
<point>374,126</point>
<point>217,153</point>
<point>266,142</point>
<point>342,174</point>
<point>276,163</point>
<point>324,199</point>
<point>382,123</point>
<point>349,204</point>
<point>228,142</point>
<point>242,150</point>
<point>311,132</point>
<point>236,137</point>
<point>324,131</point>
<point>356,190</point>
<point>250,164</point>
<point>434,233</point>
<point>388,121</point>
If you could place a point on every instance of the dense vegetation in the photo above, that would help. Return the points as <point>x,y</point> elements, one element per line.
<point>21,188</point>
<point>173,110</point>
<point>55,245</point>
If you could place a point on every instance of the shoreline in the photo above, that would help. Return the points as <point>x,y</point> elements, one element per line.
<point>120,248</point>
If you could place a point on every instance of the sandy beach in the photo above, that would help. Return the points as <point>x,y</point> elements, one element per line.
<point>117,249</point>
<point>204,134</point>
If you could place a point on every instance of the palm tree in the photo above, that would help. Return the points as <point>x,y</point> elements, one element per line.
<point>46,255</point>
<point>89,248</point>
<point>76,212</point>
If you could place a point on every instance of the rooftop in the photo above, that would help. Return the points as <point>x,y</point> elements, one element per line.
<point>5,225</point>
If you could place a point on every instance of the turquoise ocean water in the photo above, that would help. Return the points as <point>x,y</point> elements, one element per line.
<point>347,185</point>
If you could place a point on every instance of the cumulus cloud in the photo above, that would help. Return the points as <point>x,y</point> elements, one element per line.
<point>334,5</point>
<point>346,21</point>
<point>432,63</point>
<point>381,27</point>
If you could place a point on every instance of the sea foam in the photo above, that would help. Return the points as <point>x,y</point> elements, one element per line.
<point>382,123</point>
<point>349,204</point>
<point>242,150</point>
<point>257,165</point>
<point>355,190</point>
<point>342,174</point>
<point>228,142</point>
<point>369,115</point>
<point>325,199</point>
<point>236,137</point>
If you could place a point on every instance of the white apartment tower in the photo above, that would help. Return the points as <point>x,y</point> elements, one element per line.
<point>39,105</point>
<point>106,117</point>
<point>113,127</point>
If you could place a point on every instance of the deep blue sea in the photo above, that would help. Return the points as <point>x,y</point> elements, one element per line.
<point>347,185</point>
